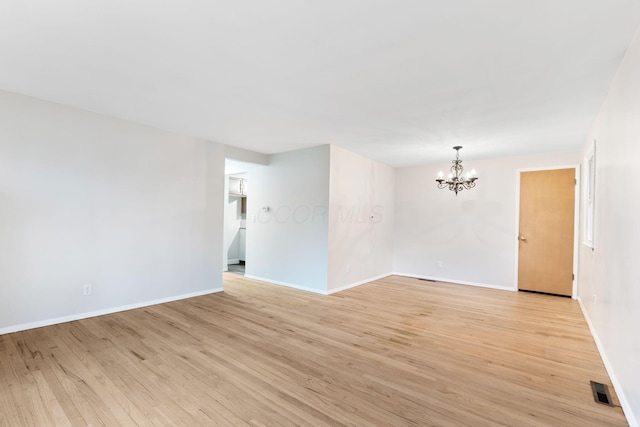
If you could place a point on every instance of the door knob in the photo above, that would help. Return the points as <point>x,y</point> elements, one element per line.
<point>523,238</point>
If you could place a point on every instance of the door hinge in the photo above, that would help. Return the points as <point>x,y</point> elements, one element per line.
<point>573,277</point>
<point>575,181</point>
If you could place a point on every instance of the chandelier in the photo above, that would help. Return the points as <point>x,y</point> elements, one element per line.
<point>456,182</point>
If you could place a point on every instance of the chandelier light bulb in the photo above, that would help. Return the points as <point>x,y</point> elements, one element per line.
<point>440,175</point>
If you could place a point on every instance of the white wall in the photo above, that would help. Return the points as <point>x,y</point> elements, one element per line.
<point>289,244</point>
<point>361,223</point>
<point>239,155</point>
<point>473,233</point>
<point>84,198</point>
<point>610,272</point>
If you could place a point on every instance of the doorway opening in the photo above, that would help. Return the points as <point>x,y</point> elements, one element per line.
<point>236,199</point>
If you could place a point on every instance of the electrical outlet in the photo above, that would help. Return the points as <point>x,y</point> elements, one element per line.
<point>594,298</point>
<point>348,268</point>
<point>87,289</point>
<point>440,264</point>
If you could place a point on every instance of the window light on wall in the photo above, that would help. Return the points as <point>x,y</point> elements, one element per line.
<point>589,179</point>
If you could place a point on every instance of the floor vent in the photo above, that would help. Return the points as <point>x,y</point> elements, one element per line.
<point>601,393</point>
<point>426,280</point>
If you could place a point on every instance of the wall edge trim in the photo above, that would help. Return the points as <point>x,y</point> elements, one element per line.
<point>456,282</point>
<point>624,402</point>
<point>96,313</point>
<point>358,283</point>
<point>287,284</point>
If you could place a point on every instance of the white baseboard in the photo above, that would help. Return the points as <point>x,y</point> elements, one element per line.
<point>624,402</point>
<point>314,290</point>
<point>289,285</point>
<point>354,284</point>
<point>457,282</point>
<point>80,316</point>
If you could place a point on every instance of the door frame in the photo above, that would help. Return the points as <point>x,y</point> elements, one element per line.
<point>576,222</point>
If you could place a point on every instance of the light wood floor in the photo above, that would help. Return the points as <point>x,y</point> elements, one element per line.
<point>394,352</point>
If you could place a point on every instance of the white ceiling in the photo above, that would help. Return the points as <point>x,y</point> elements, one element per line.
<point>399,81</point>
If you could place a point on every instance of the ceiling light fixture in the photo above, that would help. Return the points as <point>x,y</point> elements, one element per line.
<point>456,181</point>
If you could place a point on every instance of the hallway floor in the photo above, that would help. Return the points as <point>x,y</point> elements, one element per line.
<point>236,268</point>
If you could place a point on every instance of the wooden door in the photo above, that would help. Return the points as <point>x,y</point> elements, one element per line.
<point>545,257</point>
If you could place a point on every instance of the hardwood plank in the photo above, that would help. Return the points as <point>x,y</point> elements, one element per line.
<point>397,351</point>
